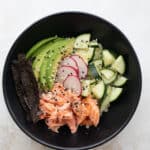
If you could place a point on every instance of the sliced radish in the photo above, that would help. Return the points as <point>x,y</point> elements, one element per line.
<point>82,66</point>
<point>68,61</point>
<point>73,83</point>
<point>65,71</point>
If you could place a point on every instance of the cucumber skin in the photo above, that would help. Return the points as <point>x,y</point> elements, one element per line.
<point>108,99</point>
<point>97,54</point>
<point>92,72</point>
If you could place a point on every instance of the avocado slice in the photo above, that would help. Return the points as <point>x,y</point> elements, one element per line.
<point>38,47</point>
<point>45,63</point>
<point>42,77</point>
<point>41,55</point>
<point>50,63</point>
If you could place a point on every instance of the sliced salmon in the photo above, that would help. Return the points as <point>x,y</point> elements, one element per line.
<point>61,107</point>
<point>80,111</point>
<point>94,112</point>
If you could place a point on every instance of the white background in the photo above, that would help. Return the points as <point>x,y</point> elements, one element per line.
<point>131,16</point>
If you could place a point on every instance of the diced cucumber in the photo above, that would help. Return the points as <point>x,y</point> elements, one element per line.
<point>98,65</point>
<point>108,58</point>
<point>119,65</point>
<point>100,46</point>
<point>108,91</point>
<point>115,93</point>
<point>120,80</point>
<point>97,53</point>
<point>108,81</point>
<point>82,41</point>
<point>92,81</point>
<point>98,89</point>
<point>112,93</point>
<point>86,54</point>
<point>108,75</point>
<point>93,43</point>
<point>105,103</point>
<point>90,53</point>
<point>92,72</point>
<point>86,89</point>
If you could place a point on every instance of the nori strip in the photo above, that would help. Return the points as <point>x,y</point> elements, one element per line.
<point>26,87</point>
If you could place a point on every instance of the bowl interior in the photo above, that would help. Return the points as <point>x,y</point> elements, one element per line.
<point>120,112</point>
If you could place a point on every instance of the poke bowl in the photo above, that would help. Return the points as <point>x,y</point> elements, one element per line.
<point>72,81</point>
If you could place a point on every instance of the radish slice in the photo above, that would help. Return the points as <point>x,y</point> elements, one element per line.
<point>82,66</point>
<point>68,61</point>
<point>73,83</point>
<point>63,72</point>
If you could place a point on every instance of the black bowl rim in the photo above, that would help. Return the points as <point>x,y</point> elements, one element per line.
<point>41,141</point>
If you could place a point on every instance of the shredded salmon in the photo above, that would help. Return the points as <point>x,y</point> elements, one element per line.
<point>61,107</point>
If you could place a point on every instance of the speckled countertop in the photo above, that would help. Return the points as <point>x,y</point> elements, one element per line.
<point>132,17</point>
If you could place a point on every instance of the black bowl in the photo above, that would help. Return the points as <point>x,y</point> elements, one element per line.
<point>66,25</point>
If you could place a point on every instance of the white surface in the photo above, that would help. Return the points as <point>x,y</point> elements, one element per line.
<point>131,16</point>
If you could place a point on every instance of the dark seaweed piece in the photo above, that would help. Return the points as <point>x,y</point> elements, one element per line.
<point>19,89</point>
<point>26,86</point>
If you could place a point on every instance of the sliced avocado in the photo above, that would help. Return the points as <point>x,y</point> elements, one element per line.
<point>41,54</point>
<point>39,46</point>
<point>50,64</point>
<point>56,58</point>
<point>42,73</point>
<point>44,62</point>
<point>52,69</point>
